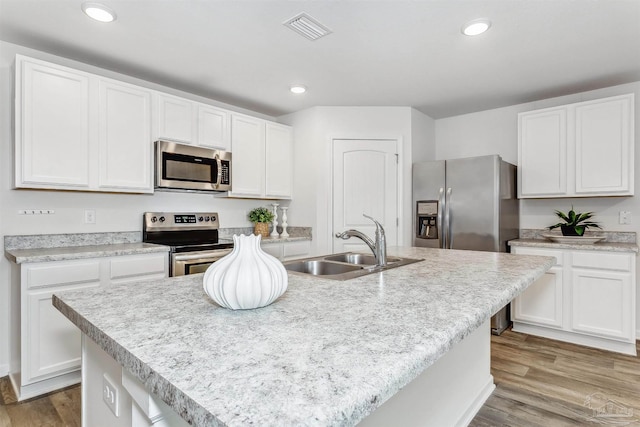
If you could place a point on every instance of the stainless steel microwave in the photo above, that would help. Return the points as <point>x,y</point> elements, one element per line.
<point>186,167</point>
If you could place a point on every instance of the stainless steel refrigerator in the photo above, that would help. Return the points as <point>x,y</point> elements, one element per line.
<point>468,203</point>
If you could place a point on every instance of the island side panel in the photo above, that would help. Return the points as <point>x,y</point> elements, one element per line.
<point>448,393</point>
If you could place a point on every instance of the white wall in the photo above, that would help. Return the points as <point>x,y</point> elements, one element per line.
<point>314,129</point>
<point>114,212</point>
<point>495,132</point>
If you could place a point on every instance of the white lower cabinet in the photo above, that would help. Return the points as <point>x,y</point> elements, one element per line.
<point>587,298</point>
<point>286,251</point>
<point>45,345</point>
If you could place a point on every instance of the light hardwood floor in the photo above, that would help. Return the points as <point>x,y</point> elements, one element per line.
<point>539,382</point>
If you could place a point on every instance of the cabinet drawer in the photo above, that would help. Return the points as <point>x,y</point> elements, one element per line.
<point>519,250</point>
<point>66,273</point>
<point>602,261</point>
<point>296,249</point>
<point>134,266</point>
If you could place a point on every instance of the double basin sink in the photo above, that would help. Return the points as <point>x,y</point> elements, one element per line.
<point>343,266</point>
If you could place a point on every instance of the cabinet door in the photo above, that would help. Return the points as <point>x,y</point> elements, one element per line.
<point>125,137</point>
<point>541,303</point>
<point>52,126</point>
<point>542,153</point>
<point>51,341</point>
<point>213,127</point>
<point>602,303</point>
<point>293,250</point>
<point>247,145</point>
<point>604,148</point>
<point>175,118</point>
<point>278,161</point>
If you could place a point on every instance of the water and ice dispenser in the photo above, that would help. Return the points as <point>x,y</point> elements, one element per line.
<point>427,219</point>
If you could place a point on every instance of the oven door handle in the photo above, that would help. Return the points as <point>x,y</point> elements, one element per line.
<point>215,255</point>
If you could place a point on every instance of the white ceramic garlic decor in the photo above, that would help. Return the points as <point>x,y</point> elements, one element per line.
<point>247,277</point>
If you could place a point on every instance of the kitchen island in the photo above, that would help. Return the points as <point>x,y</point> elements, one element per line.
<point>325,353</point>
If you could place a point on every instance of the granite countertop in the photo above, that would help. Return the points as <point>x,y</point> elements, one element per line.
<point>20,256</point>
<point>613,241</point>
<point>325,353</point>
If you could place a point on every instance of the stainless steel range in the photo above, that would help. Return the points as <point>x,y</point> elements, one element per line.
<point>192,236</point>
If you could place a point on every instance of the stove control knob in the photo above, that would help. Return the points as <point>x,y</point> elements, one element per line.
<point>162,219</point>
<point>154,219</point>
<point>206,218</point>
<point>213,218</point>
<point>200,219</point>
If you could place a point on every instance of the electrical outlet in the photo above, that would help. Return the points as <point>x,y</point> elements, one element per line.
<point>89,216</point>
<point>625,217</point>
<point>110,395</point>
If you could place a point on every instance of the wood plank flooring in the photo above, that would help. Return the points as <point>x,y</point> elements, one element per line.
<point>539,382</point>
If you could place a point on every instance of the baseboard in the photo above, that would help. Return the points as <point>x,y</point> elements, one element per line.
<point>473,410</point>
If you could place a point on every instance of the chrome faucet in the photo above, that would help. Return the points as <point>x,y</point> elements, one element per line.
<point>379,247</point>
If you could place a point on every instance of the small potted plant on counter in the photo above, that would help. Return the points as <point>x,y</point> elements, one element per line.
<point>261,217</point>
<point>574,223</point>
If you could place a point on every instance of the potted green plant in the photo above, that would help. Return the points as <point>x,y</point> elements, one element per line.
<point>261,217</point>
<point>574,223</point>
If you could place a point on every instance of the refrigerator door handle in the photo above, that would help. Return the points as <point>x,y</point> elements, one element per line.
<point>439,224</point>
<point>447,219</point>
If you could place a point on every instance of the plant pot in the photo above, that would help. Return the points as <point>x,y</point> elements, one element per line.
<point>568,230</point>
<point>262,229</point>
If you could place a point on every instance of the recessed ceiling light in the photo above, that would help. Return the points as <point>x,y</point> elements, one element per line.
<point>99,12</point>
<point>476,27</point>
<point>298,89</point>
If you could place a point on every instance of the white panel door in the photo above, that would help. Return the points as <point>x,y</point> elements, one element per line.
<point>541,303</point>
<point>365,181</point>
<point>52,126</point>
<point>604,152</point>
<point>247,146</point>
<point>213,127</point>
<point>602,303</point>
<point>278,161</point>
<point>542,154</point>
<point>175,118</point>
<point>52,344</point>
<point>125,137</point>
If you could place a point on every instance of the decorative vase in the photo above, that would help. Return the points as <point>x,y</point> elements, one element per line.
<point>246,278</point>
<point>568,230</point>
<point>261,229</point>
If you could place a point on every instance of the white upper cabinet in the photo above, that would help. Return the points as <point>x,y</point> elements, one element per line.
<point>192,122</point>
<point>247,148</point>
<point>125,122</point>
<point>278,161</point>
<point>578,150</point>
<point>52,126</point>
<point>262,158</point>
<point>79,131</point>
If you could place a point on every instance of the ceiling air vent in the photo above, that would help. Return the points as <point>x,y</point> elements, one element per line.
<point>307,26</point>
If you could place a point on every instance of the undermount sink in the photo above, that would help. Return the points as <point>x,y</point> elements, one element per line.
<point>359,259</point>
<point>343,266</point>
<point>320,267</point>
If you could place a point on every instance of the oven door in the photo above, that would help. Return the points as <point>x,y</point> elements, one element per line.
<point>186,263</point>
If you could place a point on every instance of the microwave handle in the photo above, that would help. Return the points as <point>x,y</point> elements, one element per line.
<point>219,171</point>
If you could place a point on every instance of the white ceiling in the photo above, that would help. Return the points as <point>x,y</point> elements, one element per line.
<point>408,53</point>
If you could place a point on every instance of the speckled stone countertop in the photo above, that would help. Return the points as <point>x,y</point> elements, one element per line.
<point>61,247</point>
<point>296,234</point>
<point>613,241</point>
<point>325,353</point>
